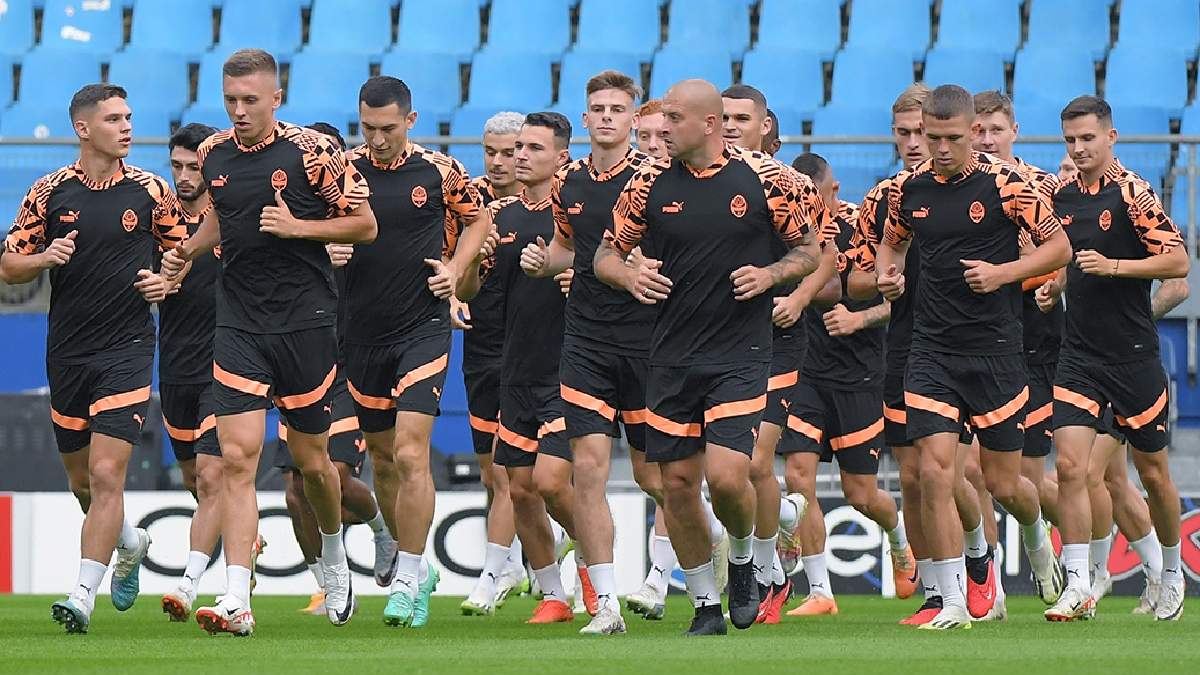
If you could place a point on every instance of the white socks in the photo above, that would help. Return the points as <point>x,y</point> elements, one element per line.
<point>318,574</point>
<point>332,551</point>
<point>702,583</point>
<point>128,539</point>
<point>239,583</point>
<point>196,564</point>
<point>974,542</point>
<point>662,561</point>
<point>604,580</point>
<point>715,528</point>
<point>928,577</point>
<point>740,550</point>
<point>818,575</point>
<point>777,576</point>
<point>408,568</point>
<point>1098,551</point>
<point>91,573</point>
<point>550,580</point>
<point>897,538</point>
<point>1171,570</point>
<point>1075,561</point>
<point>789,517</point>
<point>378,525</point>
<point>952,578</point>
<point>515,556</point>
<point>1150,551</point>
<point>764,559</point>
<point>494,560</point>
<point>1034,535</point>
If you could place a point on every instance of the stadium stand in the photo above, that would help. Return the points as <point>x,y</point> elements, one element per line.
<point>242,25</point>
<point>16,27</point>
<point>1052,75</point>
<point>974,69</point>
<point>93,27</point>
<point>860,74</point>
<point>6,81</point>
<point>440,27</point>
<point>1070,26</point>
<point>1147,159</point>
<point>852,121</point>
<point>1146,75</point>
<point>50,76</point>
<point>156,26</point>
<point>900,24</point>
<point>578,66</point>
<point>993,26</point>
<point>792,80</point>
<point>362,26</point>
<point>1172,24</point>
<point>321,79</point>
<point>501,79</point>
<point>625,26</point>
<point>713,24</point>
<point>529,26</point>
<point>157,95</point>
<point>433,79</point>
<point>808,25</point>
<point>673,64</point>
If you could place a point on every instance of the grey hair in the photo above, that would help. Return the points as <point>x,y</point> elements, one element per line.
<point>504,124</point>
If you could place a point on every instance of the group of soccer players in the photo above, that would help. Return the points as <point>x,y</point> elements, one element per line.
<point>708,303</point>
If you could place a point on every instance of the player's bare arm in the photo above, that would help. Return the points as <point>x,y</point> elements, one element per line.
<point>1171,264</point>
<point>840,322</point>
<point>889,269</point>
<point>1051,254</point>
<point>20,268</point>
<point>472,277</point>
<point>540,259</point>
<point>1169,295</point>
<point>356,227</point>
<point>644,282</point>
<point>822,286</point>
<point>800,261</point>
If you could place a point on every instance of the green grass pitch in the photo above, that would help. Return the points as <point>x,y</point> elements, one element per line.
<point>863,639</point>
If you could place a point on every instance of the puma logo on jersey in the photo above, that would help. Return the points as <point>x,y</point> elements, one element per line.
<point>673,207</point>
<point>922,212</point>
<point>138,418</point>
<point>219,181</point>
<point>508,238</point>
<point>575,209</point>
<point>1067,219</point>
<point>69,217</point>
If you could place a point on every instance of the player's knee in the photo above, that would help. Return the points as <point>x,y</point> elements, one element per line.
<point>936,476</point>
<point>1155,476</point>
<point>974,476</point>
<point>726,486</point>
<point>107,478</point>
<point>190,483</point>
<point>910,484</point>
<point>762,470</point>
<point>1002,488</point>
<point>83,495</point>
<point>1070,469</point>
<point>859,499</point>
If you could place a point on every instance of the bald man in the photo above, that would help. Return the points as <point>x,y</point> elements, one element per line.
<point>714,211</point>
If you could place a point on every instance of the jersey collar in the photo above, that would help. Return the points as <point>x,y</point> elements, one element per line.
<point>101,185</point>
<point>972,164</point>
<point>364,151</point>
<point>712,169</point>
<point>601,176</point>
<point>267,140</point>
<point>535,206</point>
<point>1111,173</point>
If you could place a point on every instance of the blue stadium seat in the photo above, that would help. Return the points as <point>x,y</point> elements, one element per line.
<point>673,64</point>
<point>791,123</point>
<point>974,70</point>
<point>440,27</point>
<point>529,26</point>
<point>361,27</point>
<point>628,26</point>
<point>178,26</point>
<point>793,81</point>
<point>870,77</point>
<point>1191,120</point>
<point>509,80</point>
<point>1149,160</point>
<point>433,79</point>
<point>54,75</point>
<point>163,87</point>
<point>16,27</point>
<point>469,122</point>
<point>208,78</point>
<point>328,80</point>
<point>1164,24</point>
<point>578,67</point>
<point>1040,119</point>
<point>902,24</point>
<point>693,24</point>
<point>213,115</point>
<point>92,27</point>
<point>835,120</point>
<point>37,119</point>
<point>809,25</point>
<point>993,26</point>
<point>1145,75</point>
<point>856,181</point>
<point>244,25</point>
<point>6,82</point>
<point>304,115</point>
<point>1069,26</point>
<point>1052,76</point>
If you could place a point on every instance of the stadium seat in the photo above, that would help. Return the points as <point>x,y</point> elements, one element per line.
<point>1040,119</point>
<point>855,181</point>
<point>177,26</point>
<point>993,26</point>
<point>578,67</point>
<point>243,25</point>
<point>163,87</point>
<point>694,24</point>
<point>808,25</point>
<point>529,26</point>
<point>674,64</point>
<point>1052,76</point>
<point>440,27</point>
<point>791,123</point>
<point>433,79</point>
<point>1149,160</point>
<point>360,27</point>
<point>16,27</point>
<point>469,122</point>
<point>207,113</point>
<point>509,80</point>
<point>792,81</point>
<point>54,75</point>
<point>208,78</point>
<point>625,26</point>
<point>304,115</point>
<point>1165,25</point>
<point>973,69</point>
<point>1069,26</point>
<point>901,24</point>
<point>37,119</point>
<point>1191,120</point>
<point>870,77</point>
<point>6,82</point>
<point>321,79</point>
<point>93,27</point>
<point>855,121</point>
<point>1145,75</point>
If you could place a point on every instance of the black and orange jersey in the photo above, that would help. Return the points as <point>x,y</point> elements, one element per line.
<point>188,318</point>
<point>484,342</point>
<point>794,338</point>
<point>94,307</point>
<point>533,308</point>
<point>868,232</point>
<point>420,199</point>
<point>582,202</point>
<point>1043,330</point>
<point>705,224</point>
<point>269,284</point>
<point>854,361</point>
<point>974,215</point>
<point>1109,318</point>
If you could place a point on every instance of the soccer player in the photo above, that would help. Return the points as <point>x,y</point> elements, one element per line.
<point>836,410</point>
<point>745,124</point>
<point>532,446</point>
<point>187,319</point>
<point>279,193</point>
<point>1067,169</point>
<point>710,348</point>
<point>94,225</point>
<point>649,129</point>
<point>482,322</point>
<point>965,210</point>
<point>770,142</point>
<point>1122,239</point>
<point>398,337</point>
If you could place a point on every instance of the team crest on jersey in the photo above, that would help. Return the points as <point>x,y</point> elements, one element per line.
<point>737,206</point>
<point>976,212</point>
<point>69,217</point>
<point>419,196</point>
<point>1105,219</point>
<point>575,209</point>
<point>842,262</point>
<point>129,220</point>
<point>279,179</point>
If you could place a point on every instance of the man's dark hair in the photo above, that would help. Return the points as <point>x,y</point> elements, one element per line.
<point>92,95</point>
<point>245,62</point>
<point>773,134</point>
<point>812,165</point>
<point>383,90</point>
<point>190,136</point>
<point>746,92</point>
<point>556,122</point>
<point>947,101</point>
<point>329,130</point>
<point>1088,105</point>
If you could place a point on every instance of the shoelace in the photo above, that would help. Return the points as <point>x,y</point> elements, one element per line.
<point>126,561</point>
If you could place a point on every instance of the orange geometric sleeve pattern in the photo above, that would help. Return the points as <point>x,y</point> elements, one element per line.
<point>329,171</point>
<point>797,210</point>
<point>1154,227</point>
<point>562,227</point>
<point>1024,203</point>
<point>28,233</point>
<point>896,229</point>
<point>629,213</point>
<point>168,224</point>
<point>864,242</point>
<point>488,264</point>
